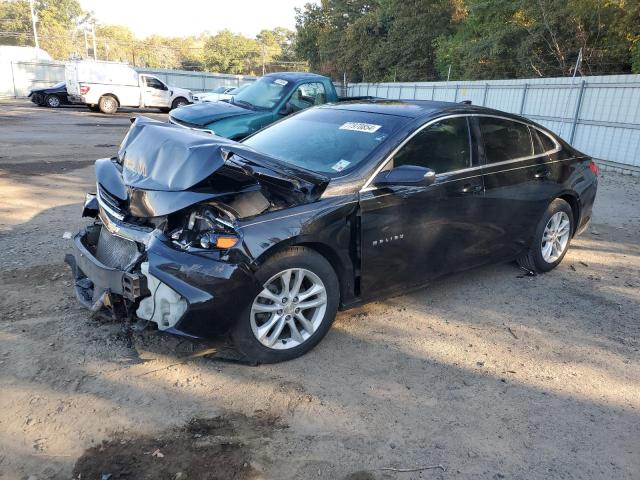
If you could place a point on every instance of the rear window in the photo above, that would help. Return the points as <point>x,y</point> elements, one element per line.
<point>328,141</point>
<point>504,139</point>
<point>541,142</point>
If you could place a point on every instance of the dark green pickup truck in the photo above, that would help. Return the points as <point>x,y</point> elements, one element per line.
<point>268,99</point>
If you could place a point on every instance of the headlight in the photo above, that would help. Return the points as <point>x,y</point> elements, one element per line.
<point>206,228</point>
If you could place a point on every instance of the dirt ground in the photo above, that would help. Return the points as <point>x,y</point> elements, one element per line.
<point>488,374</point>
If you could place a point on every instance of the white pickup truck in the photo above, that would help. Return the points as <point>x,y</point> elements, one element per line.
<point>106,86</point>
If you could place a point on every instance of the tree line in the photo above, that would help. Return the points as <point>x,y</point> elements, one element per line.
<point>63,24</point>
<point>369,40</point>
<point>410,40</point>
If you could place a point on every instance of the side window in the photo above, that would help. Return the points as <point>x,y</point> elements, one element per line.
<point>442,147</point>
<point>154,83</point>
<point>541,142</point>
<point>504,139</point>
<point>307,95</point>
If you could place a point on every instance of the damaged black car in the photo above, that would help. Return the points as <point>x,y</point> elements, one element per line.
<point>327,209</point>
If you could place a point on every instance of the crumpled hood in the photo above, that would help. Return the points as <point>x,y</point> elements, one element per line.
<point>202,114</point>
<point>161,156</point>
<point>162,168</point>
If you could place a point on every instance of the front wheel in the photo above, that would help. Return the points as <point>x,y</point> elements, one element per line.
<point>52,101</point>
<point>551,239</point>
<point>179,102</point>
<point>293,311</point>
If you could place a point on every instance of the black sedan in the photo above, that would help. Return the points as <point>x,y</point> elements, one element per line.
<point>52,97</point>
<point>330,208</point>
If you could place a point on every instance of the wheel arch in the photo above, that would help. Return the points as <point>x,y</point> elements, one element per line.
<point>176,99</point>
<point>112,95</point>
<point>345,283</point>
<point>572,199</point>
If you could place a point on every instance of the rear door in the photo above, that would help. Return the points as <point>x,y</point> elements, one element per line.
<point>410,234</point>
<point>518,183</point>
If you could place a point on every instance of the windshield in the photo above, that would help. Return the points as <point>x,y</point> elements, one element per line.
<point>237,90</point>
<point>219,90</point>
<point>57,85</point>
<point>324,140</point>
<point>264,93</point>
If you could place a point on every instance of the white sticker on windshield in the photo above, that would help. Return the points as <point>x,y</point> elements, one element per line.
<point>341,165</point>
<point>279,81</point>
<point>360,127</point>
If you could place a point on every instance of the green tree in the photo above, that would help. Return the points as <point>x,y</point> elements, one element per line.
<point>56,24</point>
<point>523,38</point>
<point>228,52</point>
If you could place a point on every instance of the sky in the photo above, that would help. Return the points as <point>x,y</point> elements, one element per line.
<point>182,18</point>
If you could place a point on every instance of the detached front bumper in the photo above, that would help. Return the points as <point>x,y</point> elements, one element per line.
<point>182,292</point>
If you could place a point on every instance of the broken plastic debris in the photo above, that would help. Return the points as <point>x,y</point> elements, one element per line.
<point>66,235</point>
<point>157,453</point>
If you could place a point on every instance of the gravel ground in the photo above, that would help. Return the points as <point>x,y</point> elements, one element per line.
<point>488,374</point>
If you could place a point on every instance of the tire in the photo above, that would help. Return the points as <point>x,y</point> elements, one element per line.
<point>543,255</point>
<point>52,101</point>
<point>108,104</point>
<point>281,323</point>
<point>179,102</point>
<point>165,109</point>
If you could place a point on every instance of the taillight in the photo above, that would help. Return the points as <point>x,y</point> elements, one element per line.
<point>594,168</point>
<point>84,89</point>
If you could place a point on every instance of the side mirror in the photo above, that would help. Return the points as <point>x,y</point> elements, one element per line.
<point>411,175</point>
<point>286,109</point>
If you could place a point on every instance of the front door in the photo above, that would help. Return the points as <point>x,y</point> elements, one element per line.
<point>155,93</point>
<point>410,234</point>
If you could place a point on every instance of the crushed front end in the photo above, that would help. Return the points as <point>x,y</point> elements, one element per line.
<point>128,272</point>
<point>164,244</point>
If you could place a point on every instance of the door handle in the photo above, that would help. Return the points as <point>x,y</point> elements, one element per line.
<point>471,188</point>
<point>542,173</point>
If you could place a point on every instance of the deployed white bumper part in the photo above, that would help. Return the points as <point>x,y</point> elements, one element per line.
<point>164,307</point>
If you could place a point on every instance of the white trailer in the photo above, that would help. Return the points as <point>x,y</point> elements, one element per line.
<point>105,86</point>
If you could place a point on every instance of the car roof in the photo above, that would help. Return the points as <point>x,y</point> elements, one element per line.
<point>415,108</point>
<point>294,76</point>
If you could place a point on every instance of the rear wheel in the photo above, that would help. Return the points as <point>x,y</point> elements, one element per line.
<point>293,311</point>
<point>552,238</point>
<point>52,101</point>
<point>108,104</point>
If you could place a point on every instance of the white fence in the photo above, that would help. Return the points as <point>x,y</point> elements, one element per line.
<point>18,78</point>
<point>599,115</point>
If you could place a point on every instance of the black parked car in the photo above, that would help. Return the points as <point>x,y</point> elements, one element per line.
<point>53,96</point>
<point>326,209</point>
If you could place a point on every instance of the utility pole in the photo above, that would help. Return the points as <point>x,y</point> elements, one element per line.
<point>35,30</point>
<point>263,58</point>
<point>86,44</point>
<point>578,63</point>
<point>93,32</point>
<point>449,73</point>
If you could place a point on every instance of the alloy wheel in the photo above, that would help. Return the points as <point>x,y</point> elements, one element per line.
<point>289,309</point>
<point>555,237</point>
<point>53,101</point>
